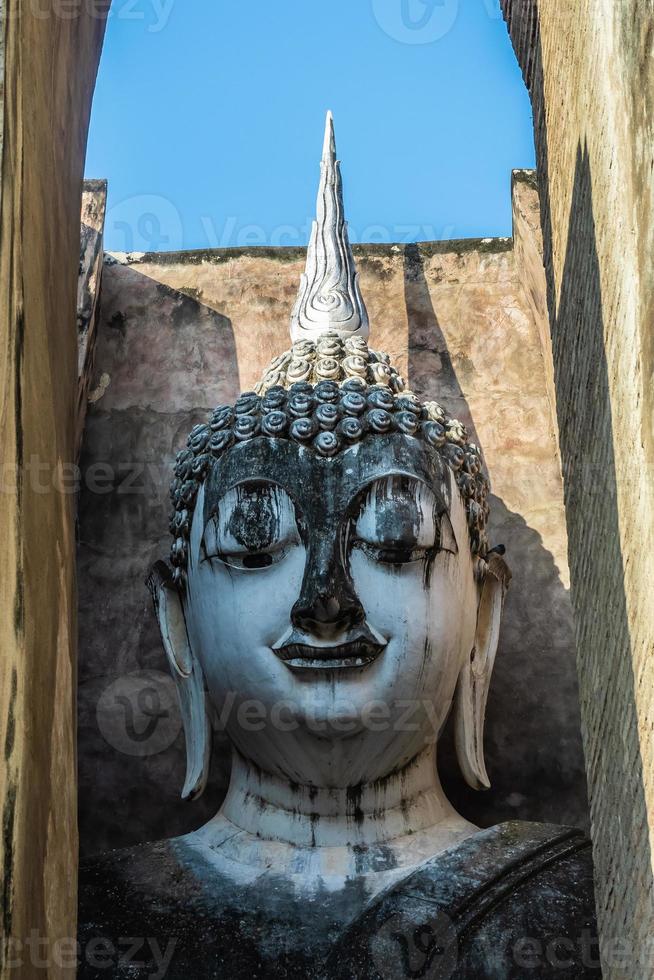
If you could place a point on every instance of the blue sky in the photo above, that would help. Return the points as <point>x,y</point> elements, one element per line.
<point>208,119</point>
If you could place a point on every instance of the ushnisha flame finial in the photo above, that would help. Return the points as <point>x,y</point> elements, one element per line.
<point>329,299</point>
<point>330,390</point>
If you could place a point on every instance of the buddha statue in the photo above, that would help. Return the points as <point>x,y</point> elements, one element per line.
<point>331,598</point>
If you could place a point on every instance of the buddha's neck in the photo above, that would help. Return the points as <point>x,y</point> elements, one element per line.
<point>405,804</point>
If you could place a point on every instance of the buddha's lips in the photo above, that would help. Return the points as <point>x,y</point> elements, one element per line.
<point>359,652</point>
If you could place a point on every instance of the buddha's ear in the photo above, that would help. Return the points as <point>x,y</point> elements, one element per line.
<point>188,676</point>
<point>475,676</point>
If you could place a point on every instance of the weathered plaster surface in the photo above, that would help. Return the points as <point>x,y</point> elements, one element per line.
<point>588,66</point>
<point>180,333</point>
<point>46,58</point>
<point>94,206</point>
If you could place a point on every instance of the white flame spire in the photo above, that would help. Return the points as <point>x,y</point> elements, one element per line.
<point>329,297</point>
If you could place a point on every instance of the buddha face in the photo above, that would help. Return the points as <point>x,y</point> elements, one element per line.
<point>331,604</point>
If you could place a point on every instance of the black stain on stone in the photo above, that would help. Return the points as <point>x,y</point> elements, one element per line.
<point>255,520</point>
<point>10,736</point>
<point>465,368</point>
<point>426,657</point>
<point>19,603</point>
<point>118,322</point>
<point>376,267</point>
<point>19,354</point>
<point>8,823</point>
<point>354,796</point>
<point>184,308</point>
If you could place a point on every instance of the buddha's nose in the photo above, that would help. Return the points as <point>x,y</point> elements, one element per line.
<point>324,614</point>
<point>328,604</point>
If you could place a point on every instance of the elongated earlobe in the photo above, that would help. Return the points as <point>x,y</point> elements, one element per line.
<point>475,676</point>
<point>188,676</point>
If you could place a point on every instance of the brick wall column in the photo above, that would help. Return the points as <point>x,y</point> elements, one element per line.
<point>588,67</point>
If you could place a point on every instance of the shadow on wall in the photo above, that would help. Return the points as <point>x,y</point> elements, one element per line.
<point>161,349</point>
<point>615,764</point>
<point>533,736</point>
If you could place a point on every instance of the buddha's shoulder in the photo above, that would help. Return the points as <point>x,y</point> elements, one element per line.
<point>162,876</point>
<point>189,916</point>
<point>147,863</point>
<point>511,901</point>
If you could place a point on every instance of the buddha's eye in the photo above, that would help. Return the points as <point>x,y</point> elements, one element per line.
<point>254,527</point>
<point>400,520</point>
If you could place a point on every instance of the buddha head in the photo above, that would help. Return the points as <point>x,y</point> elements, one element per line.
<point>332,593</point>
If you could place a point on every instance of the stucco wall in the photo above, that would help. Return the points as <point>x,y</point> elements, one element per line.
<point>49,64</point>
<point>94,207</point>
<point>180,333</point>
<point>589,68</point>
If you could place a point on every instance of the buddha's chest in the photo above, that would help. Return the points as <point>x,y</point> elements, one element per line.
<point>196,917</point>
<point>170,910</point>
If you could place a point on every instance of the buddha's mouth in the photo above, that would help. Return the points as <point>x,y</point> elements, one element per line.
<point>356,652</point>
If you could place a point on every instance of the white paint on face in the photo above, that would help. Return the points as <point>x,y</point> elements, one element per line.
<point>413,573</point>
<point>401,521</point>
<point>255,528</point>
<point>417,585</point>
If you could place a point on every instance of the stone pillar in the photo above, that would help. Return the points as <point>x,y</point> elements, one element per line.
<point>49,62</point>
<point>588,66</point>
